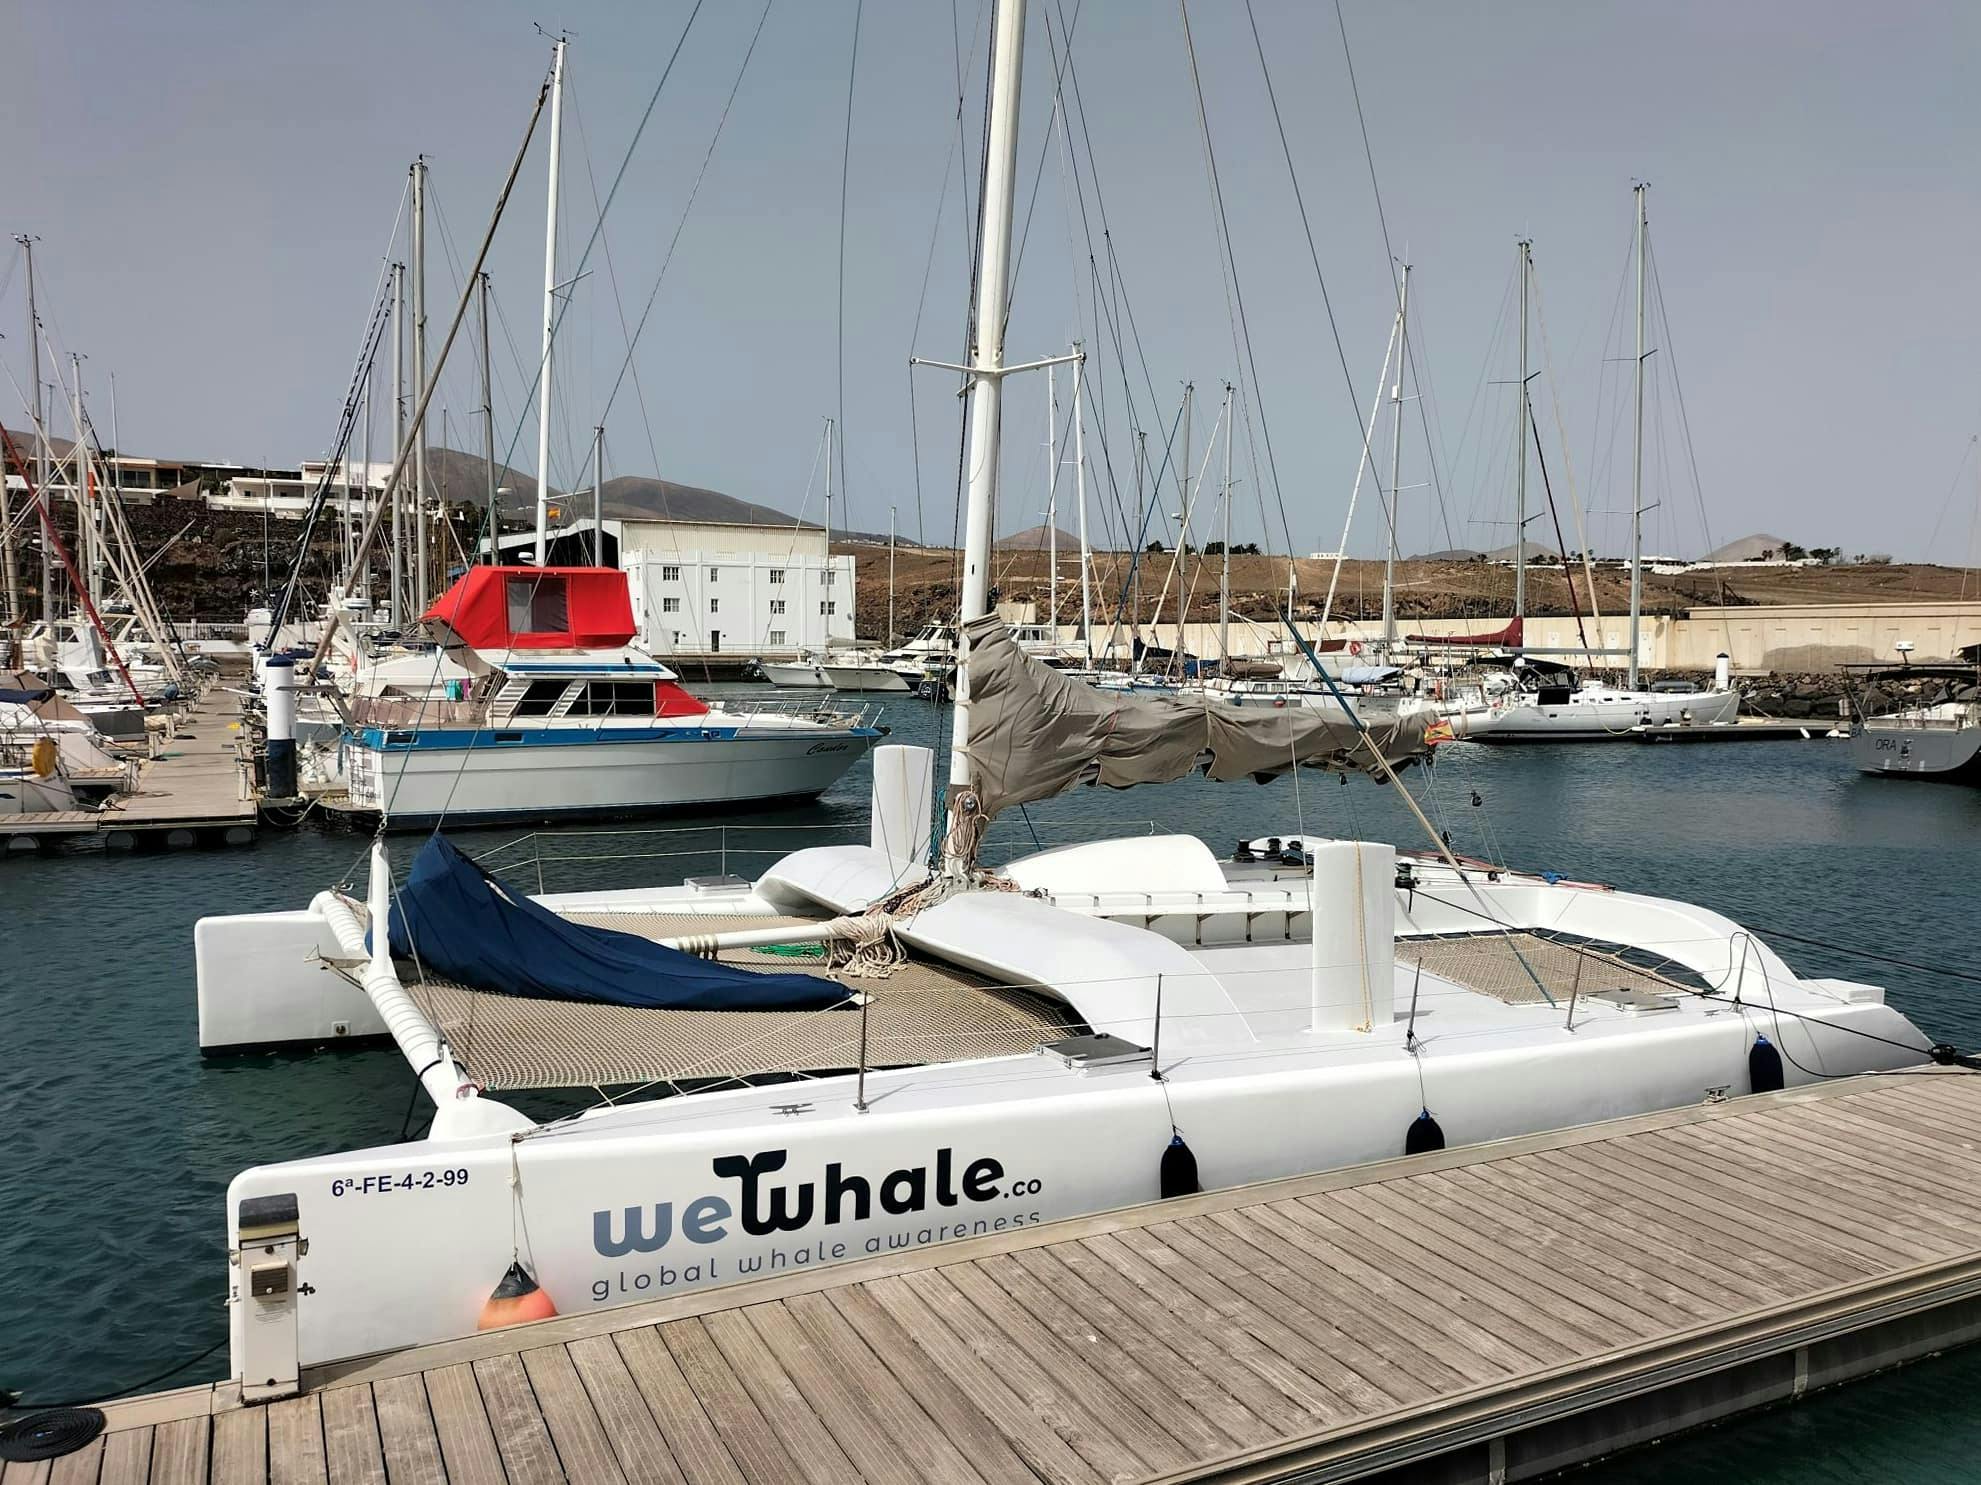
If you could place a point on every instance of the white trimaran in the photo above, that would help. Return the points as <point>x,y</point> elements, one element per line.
<point>1284,1015</point>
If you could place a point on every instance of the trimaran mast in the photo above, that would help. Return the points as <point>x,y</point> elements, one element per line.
<point>1524,266</point>
<point>549,301</point>
<point>986,371</point>
<point>1637,456</point>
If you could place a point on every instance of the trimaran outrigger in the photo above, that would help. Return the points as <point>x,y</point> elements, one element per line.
<point>1298,1007</point>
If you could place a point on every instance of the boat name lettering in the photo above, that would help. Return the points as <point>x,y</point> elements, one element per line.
<point>417,1180</point>
<point>825,747</point>
<point>764,1208</point>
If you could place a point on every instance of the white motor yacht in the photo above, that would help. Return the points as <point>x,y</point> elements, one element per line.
<point>557,713</point>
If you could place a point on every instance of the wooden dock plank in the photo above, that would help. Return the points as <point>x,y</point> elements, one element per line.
<point>1578,1255</point>
<point>865,1378</point>
<point>178,1452</point>
<point>79,1468</point>
<point>1138,1370</point>
<point>1348,1394</point>
<point>1648,1243</point>
<point>1214,1363</point>
<point>405,1431</point>
<point>1370,1377</point>
<point>643,1455</point>
<point>1164,1351</point>
<point>743,1422</point>
<point>126,1457</point>
<point>460,1422</point>
<point>1130,1413</point>
<point>951,1409</point>
<point>240,1446</point>
<point>1361,1333</point>
<point>1476,1351</point>
<point>27,1472</point>
<point>1941,1221</point>
<point>1763,1187</point>
<point>1212,1315</point>
<point>295,1441</point>
<point>1052,1443</point>
<point>516,1418</point>
<point>351,1447</point>
<point>875,1455</point>
<point>573,1422</point>
<point>683,1421</point>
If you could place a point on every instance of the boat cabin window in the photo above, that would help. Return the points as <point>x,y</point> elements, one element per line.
<point>614,699</point>
<point>537,606</point>
<point>539,698</point>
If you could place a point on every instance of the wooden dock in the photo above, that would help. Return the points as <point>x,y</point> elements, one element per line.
<point>1505,1309</point>
<point>190,793</point>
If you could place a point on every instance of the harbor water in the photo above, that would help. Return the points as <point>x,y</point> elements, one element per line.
<point>121,1138</point>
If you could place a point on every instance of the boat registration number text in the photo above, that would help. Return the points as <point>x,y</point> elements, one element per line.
<point>421,1180</point>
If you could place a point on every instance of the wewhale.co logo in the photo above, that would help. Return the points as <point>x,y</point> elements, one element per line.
<point>763,1208</point>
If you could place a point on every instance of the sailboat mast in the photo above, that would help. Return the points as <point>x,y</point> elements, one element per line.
<point>549,300</point>
<point>986,391</point>
<point>890,577</point>
<point>825,577</point>
<point>79,465</point>
<point>1080,496</point>
<point>419,386</point>
<point>1396,460</point>
<point>488,431</point>
<point>1524,268</point>
<point>362,577</point>
<point>1224,576</point>
<point>397,494</point>
<point>599,494</point>
<point>41,443</point>
<point>1181,647</point>
<point>1637,455</point>
<point>1052,502</point>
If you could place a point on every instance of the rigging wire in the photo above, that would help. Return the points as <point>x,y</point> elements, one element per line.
<point>1313,252</point>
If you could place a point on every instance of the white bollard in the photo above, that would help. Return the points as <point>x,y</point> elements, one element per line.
<point>1722,671</point>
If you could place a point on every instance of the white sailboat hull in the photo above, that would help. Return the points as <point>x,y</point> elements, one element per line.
<point>1590,715</point>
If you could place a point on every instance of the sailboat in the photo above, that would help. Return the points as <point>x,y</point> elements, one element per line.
<point>1138,1018</point>
<point>1534,698</point>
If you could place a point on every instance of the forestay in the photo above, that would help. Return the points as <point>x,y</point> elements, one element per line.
<point>1035,733</point>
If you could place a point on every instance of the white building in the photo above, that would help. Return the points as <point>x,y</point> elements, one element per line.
<point>704,589</point>
<point>709,588</point>
<point>287,496</point>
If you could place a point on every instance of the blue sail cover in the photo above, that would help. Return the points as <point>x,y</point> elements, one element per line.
<point>469,927</point>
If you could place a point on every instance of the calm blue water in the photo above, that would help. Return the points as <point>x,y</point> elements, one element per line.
<point>121,1139</point>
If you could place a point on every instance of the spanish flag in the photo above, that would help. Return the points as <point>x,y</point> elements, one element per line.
<point>1436,733</point>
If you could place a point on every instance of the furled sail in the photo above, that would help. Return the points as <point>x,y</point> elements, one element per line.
<point>1035,733</point>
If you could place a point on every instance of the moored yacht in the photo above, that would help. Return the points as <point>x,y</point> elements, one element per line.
<point>1535,700</point>
<point>558,713</point>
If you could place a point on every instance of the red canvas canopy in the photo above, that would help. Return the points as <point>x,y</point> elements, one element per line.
<point>1511,635</point>
<point>537,608</point>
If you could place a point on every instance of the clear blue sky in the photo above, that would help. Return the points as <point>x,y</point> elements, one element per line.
<point>214,186</point>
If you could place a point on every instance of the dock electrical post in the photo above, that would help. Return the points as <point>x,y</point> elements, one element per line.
<point>278,689</point>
